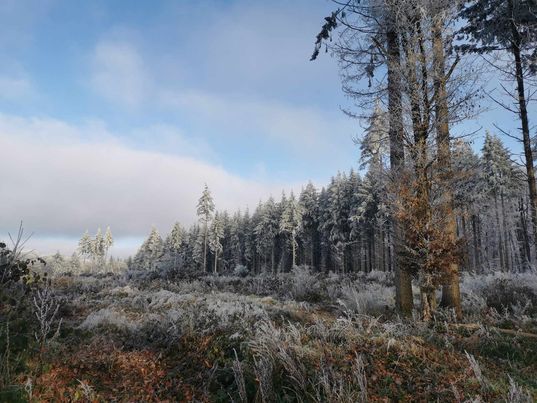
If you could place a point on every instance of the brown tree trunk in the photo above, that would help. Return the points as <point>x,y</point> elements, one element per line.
<point>450,290</point>
<point>403,282</point>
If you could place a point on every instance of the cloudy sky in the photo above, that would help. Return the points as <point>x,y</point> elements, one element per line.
<point>117,112</point>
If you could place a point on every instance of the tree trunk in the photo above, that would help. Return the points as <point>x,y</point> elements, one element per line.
<point>522,105</point>
<point>476,261</point>
<point>403,282</point>
<point>294,250</point>
<point>215,262</point>
<point>500,232</point>
<point>451,297</point>
<point>206,230</point>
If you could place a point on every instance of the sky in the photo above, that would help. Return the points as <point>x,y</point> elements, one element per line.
<point>116,113</point>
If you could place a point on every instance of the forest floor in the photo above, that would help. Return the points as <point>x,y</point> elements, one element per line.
<point>293,337</point>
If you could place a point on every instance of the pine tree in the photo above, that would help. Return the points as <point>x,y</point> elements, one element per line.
<point>497,25</point>
<point>85,245</point>
<point>501,183</point>
<point>291,223</point>
<point>205,210</point>
<point>194,255</point>
<point>98,247</point>
<point>374,145</point>
<point>108,241</point>
<point>75,262</point>
<point>309,204</point>
<point>236,239</point>
<point>215,236</point>
<point>174,243</point>
<point>151,251</point>
<point>266,231</point>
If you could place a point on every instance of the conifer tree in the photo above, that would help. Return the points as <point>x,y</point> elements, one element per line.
<point>85,245</point>
<point>291,223</point>
<point>108,240</point>
<point>215,237</point>
<point>266,231</point>
<point>174,243</point>
<point>149,255</point>
<point>205,210</point>
<point>508,25</point>
<point>309,204</point>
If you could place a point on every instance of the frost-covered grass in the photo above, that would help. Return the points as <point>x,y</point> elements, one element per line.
<point>298,336</point>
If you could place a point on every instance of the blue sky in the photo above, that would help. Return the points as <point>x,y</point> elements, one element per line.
<point>119,111</point>
<point>123,110</point>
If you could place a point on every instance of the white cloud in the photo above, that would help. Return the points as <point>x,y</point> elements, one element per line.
<point>14,88</point>
<point>118,73</point>
<point>61,181</point>
<point>305,131</point>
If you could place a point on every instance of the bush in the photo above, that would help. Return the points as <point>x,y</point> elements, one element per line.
<point>240,271</point>
<point>370,299</point>
<point>305,285</point>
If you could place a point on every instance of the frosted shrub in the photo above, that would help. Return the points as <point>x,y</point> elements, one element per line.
<point>240,271</point>
<point>371,299</point>
<point>380,277</point>
<point>293,358</point>
<point>513,294</point>
<point>476,369</point>
<point>45,308</point>
<point>517,393</point>
<point>305,285</point>
<point>109,317</point>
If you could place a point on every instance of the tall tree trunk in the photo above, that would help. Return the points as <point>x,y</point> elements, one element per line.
<point>506,234</point>
<point>451,297</point>
<point>524,230</point>
<point>500,232</point>
<point>475,236</point>
<point>206,231</point>
<point>215,262</point>
<point>522,105</point>
<point>404,299</point>
<point>294,249</point>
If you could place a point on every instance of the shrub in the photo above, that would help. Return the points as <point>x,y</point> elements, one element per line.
<point>240,271</point>
<point>369,299</point>
<point>305,284</point>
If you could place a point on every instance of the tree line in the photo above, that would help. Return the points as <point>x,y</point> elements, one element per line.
<point>428,206</point>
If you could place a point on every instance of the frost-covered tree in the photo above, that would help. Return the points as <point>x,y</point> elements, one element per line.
<point>205,210</point>
<point>236,235</point>
<point>216,234</point>
<point>291,223</point>
<point>266,231</point>
<point>98,247</point>
<point>374,145</point>
<point>149,255</point>
<point>173,244</point>
<point>85,245</point>
<point>508,27</point>
<point>502,182</point>
<point>74,262</point>
<point>309,205</point>
<point>108,240</point>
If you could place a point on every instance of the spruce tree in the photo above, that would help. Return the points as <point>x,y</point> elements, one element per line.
<point>216,234</point>
<point>205,210</point>
<point>291,223</point>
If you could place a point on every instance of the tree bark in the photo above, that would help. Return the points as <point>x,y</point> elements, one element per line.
<point>522,105</point>
<point>404,299</point>
<point>450,290</point>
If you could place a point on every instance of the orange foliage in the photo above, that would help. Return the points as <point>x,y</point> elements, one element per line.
<point>423,215</point>
<point>111,373</point>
